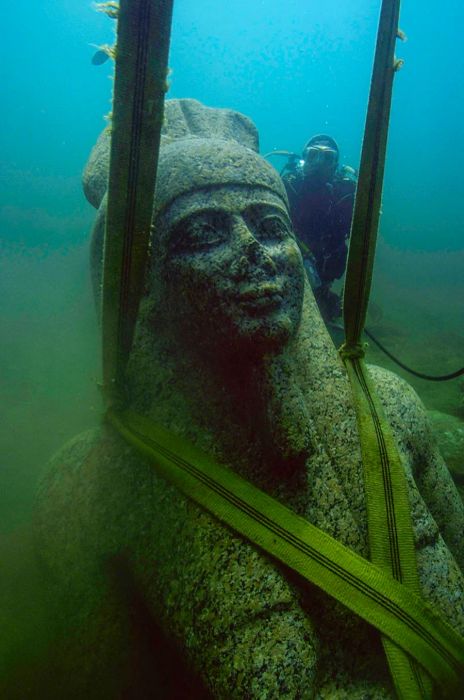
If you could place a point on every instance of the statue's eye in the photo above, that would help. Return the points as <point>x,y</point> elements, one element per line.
<point>205,233</point>
<point>199,234</point>
<point>271,229</point>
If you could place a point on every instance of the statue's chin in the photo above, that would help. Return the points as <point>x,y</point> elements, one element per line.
<point>233,331</point>
<point>242,336</point>
<point>264,336</point>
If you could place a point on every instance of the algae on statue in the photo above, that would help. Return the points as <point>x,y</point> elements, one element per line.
<point>230,353</point>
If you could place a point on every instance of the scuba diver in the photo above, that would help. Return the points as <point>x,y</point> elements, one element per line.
<point>321,198</point>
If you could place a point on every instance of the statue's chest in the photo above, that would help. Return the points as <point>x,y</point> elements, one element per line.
<point>330,496</point>
<point>335,500</point>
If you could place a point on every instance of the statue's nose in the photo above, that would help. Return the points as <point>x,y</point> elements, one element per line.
<point>251,251</point>
<point>243,233</point>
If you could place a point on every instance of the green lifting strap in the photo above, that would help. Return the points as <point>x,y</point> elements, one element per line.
<point>391,539</point>
<point>396,611</point>
<point>138,105</point>
<point>369,188</point>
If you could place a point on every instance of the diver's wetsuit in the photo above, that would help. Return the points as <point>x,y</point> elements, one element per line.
<point>321,216</point>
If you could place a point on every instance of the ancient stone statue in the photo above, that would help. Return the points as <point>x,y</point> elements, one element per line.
<point>231,354</point>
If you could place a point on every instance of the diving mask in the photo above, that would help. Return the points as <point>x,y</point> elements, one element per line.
<point>319,155</point>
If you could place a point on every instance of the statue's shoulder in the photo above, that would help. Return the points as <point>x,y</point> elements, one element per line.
<point>391,386</point>
<point>73,494</point>
<point>403,408</point>
<point>68,462</point>
<point>62,494</point>
<point>417,443</point>
<point>76,448</point>
<point>83,472</point>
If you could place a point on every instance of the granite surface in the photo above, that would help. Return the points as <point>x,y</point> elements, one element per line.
<point>230,353</point>
<point>449,433</point>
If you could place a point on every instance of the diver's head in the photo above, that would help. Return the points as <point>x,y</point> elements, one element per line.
<point>320,158</point>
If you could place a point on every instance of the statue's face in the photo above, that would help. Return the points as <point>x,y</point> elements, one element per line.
<point>230,268</point>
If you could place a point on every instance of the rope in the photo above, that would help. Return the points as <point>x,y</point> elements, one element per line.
<point>138,106</point>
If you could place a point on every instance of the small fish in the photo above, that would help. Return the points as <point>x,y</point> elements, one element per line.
<point>99,57</point>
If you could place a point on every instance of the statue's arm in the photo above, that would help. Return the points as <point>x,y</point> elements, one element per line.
<point>225,606</point>
<point>247,633</point>
<point>412,429</point>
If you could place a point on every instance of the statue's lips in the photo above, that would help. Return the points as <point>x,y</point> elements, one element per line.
<point>262,296</point>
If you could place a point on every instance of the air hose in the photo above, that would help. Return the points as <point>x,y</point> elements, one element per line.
<point>421,375</point>
<point>430,377</point>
